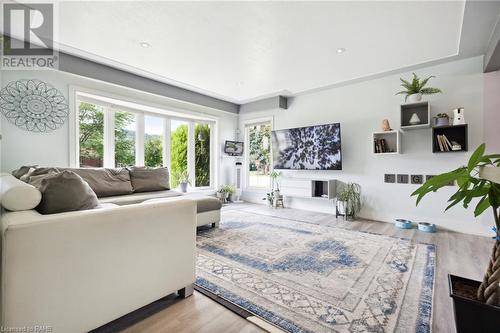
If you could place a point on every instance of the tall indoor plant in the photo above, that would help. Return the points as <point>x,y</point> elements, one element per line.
<point>349,200</point>
<point>472,186</point>
<point>416,88</point>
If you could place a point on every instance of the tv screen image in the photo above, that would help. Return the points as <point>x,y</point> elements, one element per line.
<point>233,148</point>
<point>308,148</point>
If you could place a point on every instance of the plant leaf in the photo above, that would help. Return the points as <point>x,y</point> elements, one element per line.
<point>482,205</point>
<point>476,157</point>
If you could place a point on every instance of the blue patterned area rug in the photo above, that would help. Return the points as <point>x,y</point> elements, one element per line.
<point>304,277</point>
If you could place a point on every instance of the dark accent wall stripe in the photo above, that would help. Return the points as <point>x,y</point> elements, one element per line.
<point>76,65</point>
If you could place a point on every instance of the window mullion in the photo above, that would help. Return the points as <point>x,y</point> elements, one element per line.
<point>139,139</point>
<point>191,153</point>
<point>167,137</point>
<point>109,138</point>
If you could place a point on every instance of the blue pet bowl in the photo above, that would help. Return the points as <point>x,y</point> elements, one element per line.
<point>426,227</point>
<point>404,224</point>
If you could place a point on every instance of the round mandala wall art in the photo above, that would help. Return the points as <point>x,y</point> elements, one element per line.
<point>33,105</point>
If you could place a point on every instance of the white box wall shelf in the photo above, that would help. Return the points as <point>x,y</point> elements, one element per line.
<point>392,140</point>
<point>308,188</point>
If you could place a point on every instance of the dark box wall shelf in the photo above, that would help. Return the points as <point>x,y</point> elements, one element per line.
<point>457,133</point>
<point>423,112</point>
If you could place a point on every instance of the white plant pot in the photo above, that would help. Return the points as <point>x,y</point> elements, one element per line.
<point>414,98</point>
<point>184,187</point>
<point>341,207</point>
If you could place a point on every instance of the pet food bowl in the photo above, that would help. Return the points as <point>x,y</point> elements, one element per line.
<point>426,227</point>
<point>404,224</point>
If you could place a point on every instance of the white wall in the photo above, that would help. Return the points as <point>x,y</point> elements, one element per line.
<point>360,109</point>
<point>19,147</point>
<point>492,111</point>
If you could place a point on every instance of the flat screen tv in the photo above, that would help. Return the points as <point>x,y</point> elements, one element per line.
<point>233,148</point>
<point>308,148</point>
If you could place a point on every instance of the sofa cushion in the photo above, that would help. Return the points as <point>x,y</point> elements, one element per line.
<point>106,182</point>
<point>139,197</point>
<point>16,195</point>
<point>146,179</point>
<point>65,192</point>
<point>207,204</point>
<point>22,171</point>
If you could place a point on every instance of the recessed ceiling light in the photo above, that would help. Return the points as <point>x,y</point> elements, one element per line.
<point>341,50</point>
<point>145,44</point>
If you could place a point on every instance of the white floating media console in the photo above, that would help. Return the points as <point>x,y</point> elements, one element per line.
<point>308,188</point>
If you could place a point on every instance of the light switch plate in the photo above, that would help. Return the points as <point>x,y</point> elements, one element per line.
<point>417,179</point>
<point>402,179</point>
<point>389,178</point>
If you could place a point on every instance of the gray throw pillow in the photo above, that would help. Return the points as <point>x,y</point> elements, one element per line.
<point>36,180</point>
<point>22,171</point>
<point>65,192</point>
<point>146,179</point>
<point>106,182</point>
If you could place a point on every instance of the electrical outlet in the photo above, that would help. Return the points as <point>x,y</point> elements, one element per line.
<point>389,178</point>
<point>417,179</point>
<point>402,179</point>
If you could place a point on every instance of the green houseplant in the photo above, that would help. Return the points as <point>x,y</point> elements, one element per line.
<point>224,192</point>
<point>349,200</point>
<point>487,193</point>
<point>416,88</point>
<point>442,119</point>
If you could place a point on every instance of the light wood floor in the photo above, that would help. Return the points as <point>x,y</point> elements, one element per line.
<point>459,254</point>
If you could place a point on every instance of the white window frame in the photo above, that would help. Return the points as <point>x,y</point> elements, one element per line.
<point>246,124</point>
<point>166,115</point>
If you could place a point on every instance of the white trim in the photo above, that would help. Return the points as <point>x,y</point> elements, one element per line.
<point>74,130</point>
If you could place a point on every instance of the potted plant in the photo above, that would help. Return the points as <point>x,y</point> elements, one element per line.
<point>184,180</point>
<point>442,119</point>
<point>349,200</point>
<point>275,186</point>
<point>270,198</point>
<point>416,88</point>
<point>224,193</point>
<point>476,304</point>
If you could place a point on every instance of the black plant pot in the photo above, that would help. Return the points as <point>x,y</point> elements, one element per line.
<point>472,316</point>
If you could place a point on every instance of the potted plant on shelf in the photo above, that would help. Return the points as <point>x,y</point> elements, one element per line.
<point>349,200</point>
<point>442,119</point>
<point>476,304</point>
<point>183,178</point>
<point>416,88</point>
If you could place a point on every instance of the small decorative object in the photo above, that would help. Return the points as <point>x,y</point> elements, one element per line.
<point>479,312</point>
<point>458,116</point>
<point>184,180</point>
<point>416,89</point>
<point>455,146</point>
<point>442,119</point>
<point>33,105</point>
<point>414,120</point>
<point>426,227</point>
<point>404,224</point>
<point>270,198</point>
<point>349,200</point>
<point>385,125</point>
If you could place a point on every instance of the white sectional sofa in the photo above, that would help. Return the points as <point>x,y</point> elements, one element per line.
<point>76,271</point>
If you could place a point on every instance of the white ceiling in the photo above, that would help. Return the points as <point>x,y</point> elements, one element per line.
<point>241,51</point>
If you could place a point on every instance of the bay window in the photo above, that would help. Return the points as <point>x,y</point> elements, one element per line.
<point>110,135</point>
